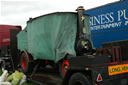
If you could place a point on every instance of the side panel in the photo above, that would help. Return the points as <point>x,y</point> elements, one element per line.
<point>22,40</point>
<point>5,34</point>
<point>118,79</point>
<point>4,37</point>
<point>52,37</point>
<point>109,23</point>
<point>49,37</point>
<point>13,46</point>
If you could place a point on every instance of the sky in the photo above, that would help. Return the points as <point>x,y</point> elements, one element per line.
<point>18,12</point>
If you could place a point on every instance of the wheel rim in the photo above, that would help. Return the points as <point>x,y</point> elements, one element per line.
<point>23,63</point>
<point>65,66</point>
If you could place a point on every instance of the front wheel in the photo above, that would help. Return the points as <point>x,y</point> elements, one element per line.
<point>78,79</point>
<point>25,63</point>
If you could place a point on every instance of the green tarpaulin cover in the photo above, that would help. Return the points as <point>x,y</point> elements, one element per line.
<point>50,37</point>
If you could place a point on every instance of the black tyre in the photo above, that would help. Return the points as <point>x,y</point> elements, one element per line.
<point>63,67</point>
<point>78,79</point>
<point>25,63</point>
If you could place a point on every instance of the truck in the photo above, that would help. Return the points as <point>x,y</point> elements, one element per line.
<point>90,65</point>
<point>109,31</point>
<point>8,56</point>
<point>109,23</point>
<point>64,42</point>
<point>51,39</point>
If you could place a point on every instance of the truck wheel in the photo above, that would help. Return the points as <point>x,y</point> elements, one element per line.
<point>78,79</point>
<point>63,67</point>
<point>26,65</point>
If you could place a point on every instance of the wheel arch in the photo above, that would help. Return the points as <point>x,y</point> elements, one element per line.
<point>26,63</point>
<point>70,72</point>
<point>30,57</point>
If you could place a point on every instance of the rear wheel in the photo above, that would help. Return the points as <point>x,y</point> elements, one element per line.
<point>78,79</point>
<point>25,63</point>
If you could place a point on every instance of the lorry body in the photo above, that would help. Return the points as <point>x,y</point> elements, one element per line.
<point>51,38</point>
<point>107,66</point>
<point>96,72</point>
<point>109,23</point>
<point>8,56</point>
<point>5,34</point>
<point>110,38</point>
